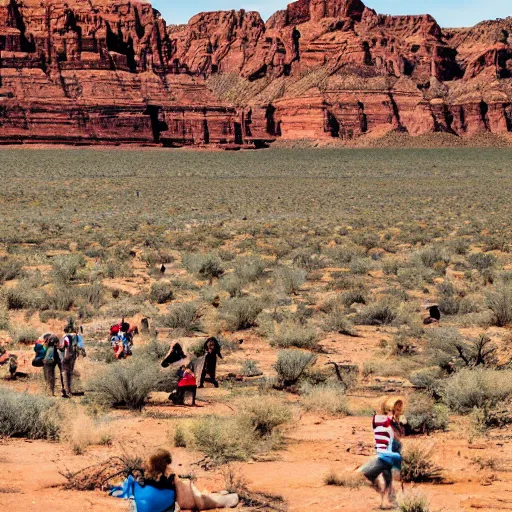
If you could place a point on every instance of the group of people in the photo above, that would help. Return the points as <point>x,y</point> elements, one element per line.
<point>53,352</point>
<point>205,367</point>
<point>388,429</point>
<point>121,338</point>
<point>160,489</point>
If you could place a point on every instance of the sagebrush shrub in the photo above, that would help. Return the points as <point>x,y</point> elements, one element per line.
<point>377,313</point>
<point>325,398</point>
<point>250,369</point>
<point>414,501</point>
<point>291,365</point>
<point>337,321</point>
<point>127,383</point>
<point>499,302</point>
<point>241,313</point>
<point>30,416</point>
<point>477,388</point>
<point>293,334</point>
<point>481,261</point>
<point>264,415</point>
<point>66,267</point>
<point>425,415</point>
<point>249,269</point>
<point>289,280</point>
<point>417,465</point>
<point>223,439</point>
<point>181,316</point>
<point>161,292</point>
<point>10,268</point>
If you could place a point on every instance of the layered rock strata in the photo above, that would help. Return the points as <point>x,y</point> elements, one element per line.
<point>112,71</point>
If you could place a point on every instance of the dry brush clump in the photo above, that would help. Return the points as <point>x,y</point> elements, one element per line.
<point>328,398</point>
<point>254,429</point>
<point>30,416</point>
<point>477,388</point>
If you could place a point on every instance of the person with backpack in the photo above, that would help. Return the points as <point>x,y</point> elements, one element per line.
<point>70,347</point>
<point>52,360</point>
<point>387,430</point>
<point>212,351</point>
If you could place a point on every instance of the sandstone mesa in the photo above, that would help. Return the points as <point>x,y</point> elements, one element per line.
<point>112,71</point>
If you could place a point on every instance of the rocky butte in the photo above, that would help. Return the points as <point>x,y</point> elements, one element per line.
<point>112,71</point>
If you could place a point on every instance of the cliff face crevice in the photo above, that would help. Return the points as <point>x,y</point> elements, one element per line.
<point>113,71</point>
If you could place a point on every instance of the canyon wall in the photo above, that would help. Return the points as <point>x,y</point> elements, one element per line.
<point>112,71</point>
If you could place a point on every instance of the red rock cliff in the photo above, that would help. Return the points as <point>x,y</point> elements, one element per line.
<point>111,70</point>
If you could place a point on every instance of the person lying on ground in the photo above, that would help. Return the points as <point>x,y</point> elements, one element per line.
<point>156,491</point>
<point>160,489</point>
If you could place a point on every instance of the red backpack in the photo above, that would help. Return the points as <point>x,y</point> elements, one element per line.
<point>114,330</point>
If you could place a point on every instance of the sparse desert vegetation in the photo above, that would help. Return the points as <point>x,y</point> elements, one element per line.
<point>295,260</point>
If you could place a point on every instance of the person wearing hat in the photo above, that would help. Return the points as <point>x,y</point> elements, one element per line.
<point>388,430</point>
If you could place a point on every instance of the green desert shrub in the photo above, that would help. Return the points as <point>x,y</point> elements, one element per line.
<point>241,313</point>
<point>223,439</point>
<point>249,268</point>
<point>30,416</point>
<point>61,298</point>
<point>206,266</point>
<point>343,255</point>
<point>414,277</point>
<point>289,280</point>
<point>449,349</point>
<point>413,501</point>
<point>336,321</point>
<point>4,318</point>
<point>66,267</point>
<point>291,365</point>
<point>425,415</point>
<point>93,294</point>
<point>417,465</point>
<point>430,256</point>
<point>127,383</point>
<point>360,266</point>
<point>293,334</point>
<point>478,388</point>
<point>499,302</point>
<point>184,315</point>
<point>264,415</point>
<point>357,295</point>
<point>250,369</point>
<point>496,416</point>
<point>24,334</point>
<point>10,268</point>
<point>161,292</point>
<point>377,313</point>
<point>481,261</point>
<point>154,350</point>
<point>233,285</point>
<point>325,399</point>
<point>428,379</point>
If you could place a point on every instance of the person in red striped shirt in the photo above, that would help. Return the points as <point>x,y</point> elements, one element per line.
<point>387,431</point>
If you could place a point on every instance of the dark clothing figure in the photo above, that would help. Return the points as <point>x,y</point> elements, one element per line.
<point>212,351</point>
<point>164,482</point>
<point>175,354</point>
<point>434,313</point>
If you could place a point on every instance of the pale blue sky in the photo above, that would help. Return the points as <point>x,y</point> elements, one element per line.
<point>449,13</point>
